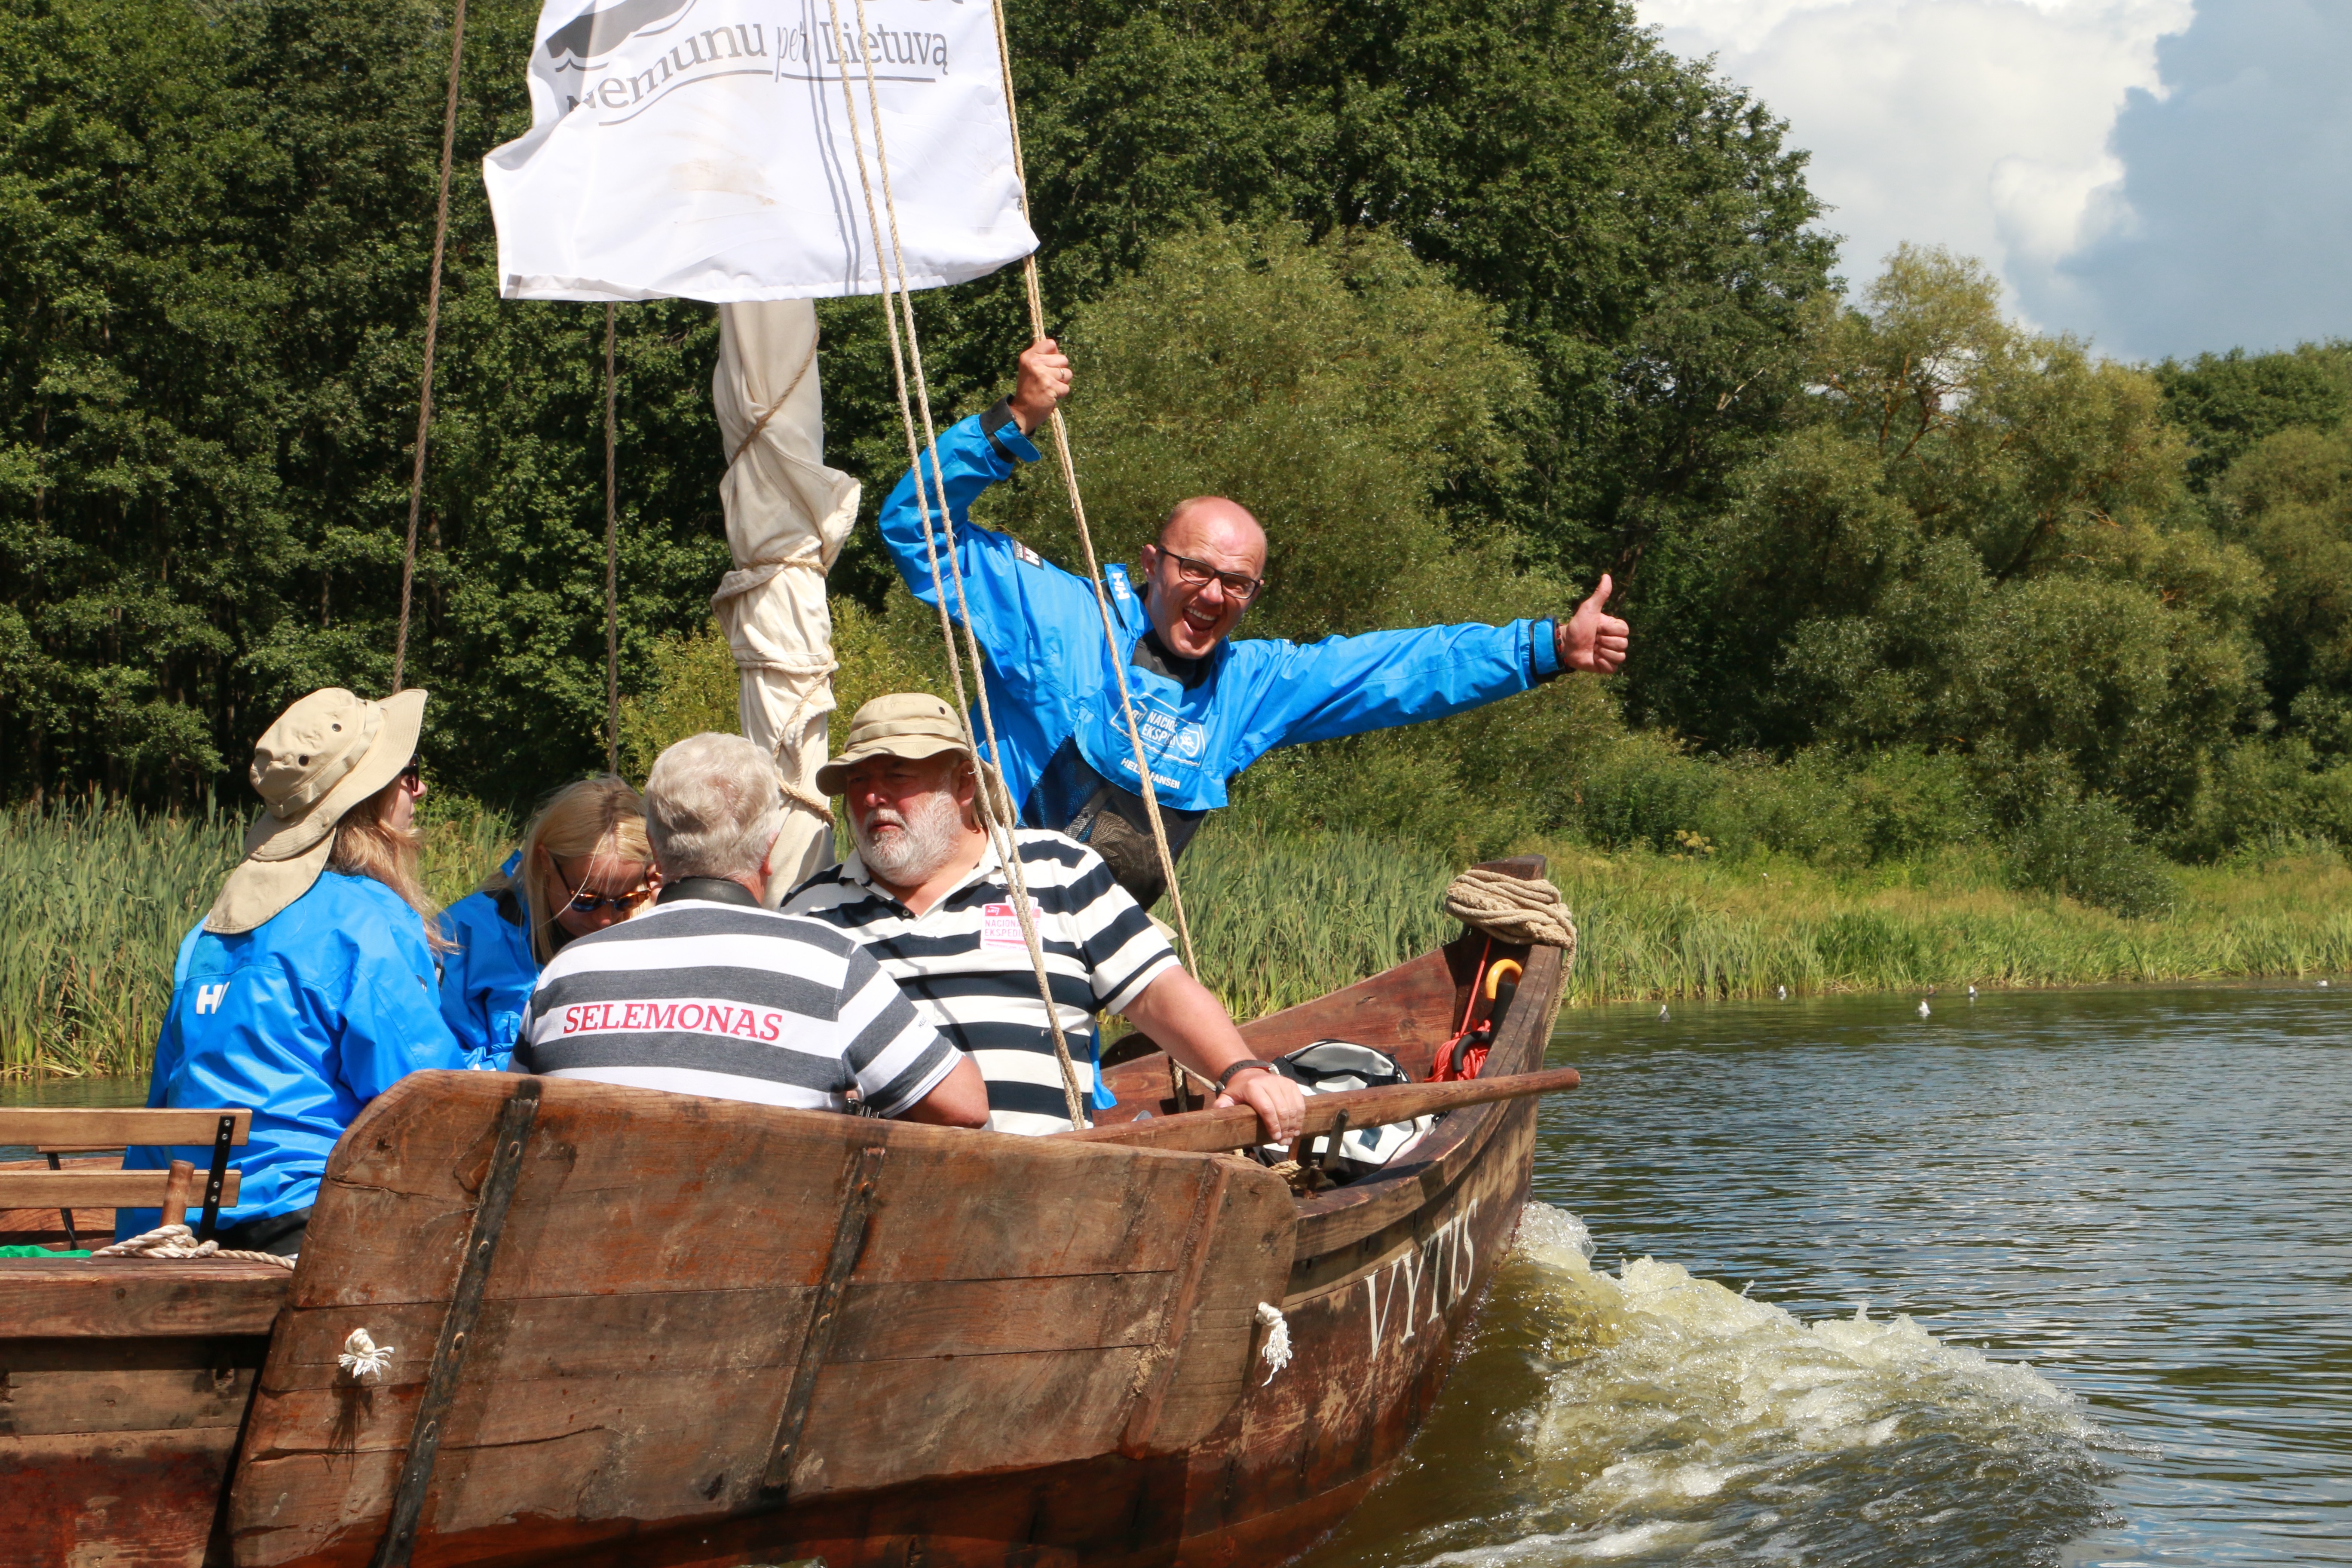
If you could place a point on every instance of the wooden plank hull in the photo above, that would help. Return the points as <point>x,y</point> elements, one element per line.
<point>122,1387</point>
<point>712,1333</point>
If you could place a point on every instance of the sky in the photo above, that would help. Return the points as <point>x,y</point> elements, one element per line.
<point>2163,177</point>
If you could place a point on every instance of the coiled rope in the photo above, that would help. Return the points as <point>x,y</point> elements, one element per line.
<point>177,1242</point>
<point>1522,913</point>
<point>1513,910</point>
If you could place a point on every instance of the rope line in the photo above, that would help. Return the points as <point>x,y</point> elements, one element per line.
<point>770,412</point>
<point>432,336</point>
<point>612,568</point>
<point>1000,834</point>
<point>178,1242</point>
<point>1068,466</point>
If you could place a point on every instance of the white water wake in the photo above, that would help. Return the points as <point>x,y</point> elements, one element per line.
<point>1681,1422</point>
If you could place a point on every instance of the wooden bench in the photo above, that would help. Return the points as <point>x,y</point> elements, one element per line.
<point>54,1132</point>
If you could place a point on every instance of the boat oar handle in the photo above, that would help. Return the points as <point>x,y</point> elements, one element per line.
<point>1236,1126</point>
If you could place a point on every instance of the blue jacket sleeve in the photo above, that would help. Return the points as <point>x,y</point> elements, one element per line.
<point>390,1024</point>
<point>486,979</point>
<point>1031,618</point>
<point>1347,686</point>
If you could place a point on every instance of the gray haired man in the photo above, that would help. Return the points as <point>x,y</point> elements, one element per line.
<point>708,993</point>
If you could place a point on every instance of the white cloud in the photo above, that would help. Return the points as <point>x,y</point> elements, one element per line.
<point>1983,125</point>
<point>2232,223</point>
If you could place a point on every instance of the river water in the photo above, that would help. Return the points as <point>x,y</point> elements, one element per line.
<point>2054,1277</point>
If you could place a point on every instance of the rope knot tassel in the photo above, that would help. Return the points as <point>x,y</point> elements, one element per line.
<point>363,1358</point>
<point>1276,1353</point>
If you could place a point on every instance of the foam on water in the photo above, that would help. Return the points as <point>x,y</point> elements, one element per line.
<point>1681,1421</point>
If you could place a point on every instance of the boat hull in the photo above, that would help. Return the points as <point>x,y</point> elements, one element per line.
<point>703,1332</point>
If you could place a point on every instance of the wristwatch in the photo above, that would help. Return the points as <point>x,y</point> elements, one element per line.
<point>1225,1078</point>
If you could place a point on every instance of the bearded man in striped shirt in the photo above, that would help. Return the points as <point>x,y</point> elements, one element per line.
<point>927,895</point>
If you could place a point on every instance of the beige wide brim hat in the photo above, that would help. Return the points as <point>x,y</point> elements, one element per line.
<point>910,724</point>
<point>324,755</point>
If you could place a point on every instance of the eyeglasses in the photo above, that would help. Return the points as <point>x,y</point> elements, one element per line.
<point>1194,574</point>
<point>626,904</point>
<point>588,903</point>
<point>413,776</point>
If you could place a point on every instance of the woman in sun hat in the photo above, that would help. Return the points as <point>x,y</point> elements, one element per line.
<point>309,988</point>
<point>584,863</point>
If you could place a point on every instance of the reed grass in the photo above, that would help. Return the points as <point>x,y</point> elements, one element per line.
<point>94,899</point>
<point>93,902</point>
<point>1659,927</point>
<point>1280,919</point>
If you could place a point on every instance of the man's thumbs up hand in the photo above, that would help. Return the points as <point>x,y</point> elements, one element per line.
<point>1592,640</point>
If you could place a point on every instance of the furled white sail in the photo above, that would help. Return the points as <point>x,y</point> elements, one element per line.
<point>787,517</point>
<point>701,150</point>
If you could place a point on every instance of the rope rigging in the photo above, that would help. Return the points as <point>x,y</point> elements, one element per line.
<point>999,814</point>
<point>425,427</point>
<point>1068,466</point>
<point>1000,834</point>
<point>611,569</point>
<point>432,336</point>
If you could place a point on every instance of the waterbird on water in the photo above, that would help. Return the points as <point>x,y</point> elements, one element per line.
<point>1782,992</point>
<point>1972,992</point>
<point>1662,1016</point>
<point>1923,1009</point>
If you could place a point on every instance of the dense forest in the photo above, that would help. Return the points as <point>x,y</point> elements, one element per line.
<point>1472,301</point>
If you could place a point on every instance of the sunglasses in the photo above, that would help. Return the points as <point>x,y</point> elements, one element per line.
<point>588,903</point>
<point>625,904</point>
<point>412,774</point>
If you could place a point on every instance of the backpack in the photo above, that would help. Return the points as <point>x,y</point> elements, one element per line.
<point>1326,1067</point>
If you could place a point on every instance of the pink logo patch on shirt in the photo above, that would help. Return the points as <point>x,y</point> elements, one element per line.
<point>1000,925</point>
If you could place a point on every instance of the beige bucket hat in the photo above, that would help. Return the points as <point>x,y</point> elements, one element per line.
<point>910,724</point>
<point>323,756</point>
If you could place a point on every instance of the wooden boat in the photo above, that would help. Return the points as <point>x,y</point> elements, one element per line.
<point>628,1327</point>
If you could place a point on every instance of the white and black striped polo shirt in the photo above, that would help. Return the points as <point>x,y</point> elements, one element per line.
<point>964,965</point>
<point>709,994</point>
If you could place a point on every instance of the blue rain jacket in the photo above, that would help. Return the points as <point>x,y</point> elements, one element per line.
<point>1052,684</point>
<point>485,983</point>
<point>305,1018</point>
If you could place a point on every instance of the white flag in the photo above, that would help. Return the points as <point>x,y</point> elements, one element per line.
<point>700,150</point>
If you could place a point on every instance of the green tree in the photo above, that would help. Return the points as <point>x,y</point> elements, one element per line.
<point>1978,540</point>
<point>2227,403</point>
<point>215,226</point>
<point>1344,391</point>
<point>2289,498</point>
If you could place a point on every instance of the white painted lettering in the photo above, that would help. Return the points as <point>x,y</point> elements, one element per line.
<point>1446,1255</point>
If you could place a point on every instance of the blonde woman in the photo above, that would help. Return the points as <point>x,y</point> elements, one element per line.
<point>584,863</point>
<point>308,990</point>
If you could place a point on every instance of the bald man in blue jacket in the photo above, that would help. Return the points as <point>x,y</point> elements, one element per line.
<point>1208,704</point>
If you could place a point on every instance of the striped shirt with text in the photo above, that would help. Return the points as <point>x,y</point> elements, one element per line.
<point>965,966</point>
